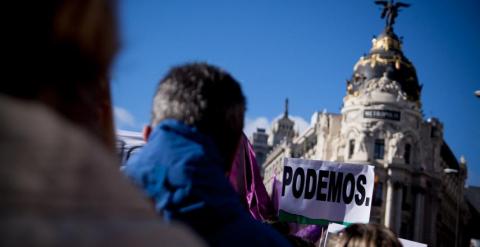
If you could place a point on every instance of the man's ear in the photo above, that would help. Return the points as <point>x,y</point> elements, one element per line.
<point>147,130</point>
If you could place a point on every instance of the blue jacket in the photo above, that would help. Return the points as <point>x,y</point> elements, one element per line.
<point>180,169</point>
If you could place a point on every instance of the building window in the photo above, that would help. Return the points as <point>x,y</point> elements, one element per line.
<point>379,149</point>
<point>351,148</point>
<point>407,153</point>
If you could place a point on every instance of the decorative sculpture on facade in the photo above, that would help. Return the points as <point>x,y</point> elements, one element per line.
<point>395,147</point>
<point>386,85</point>
<point>363,148</point>
<point>324,123</point>
<point>390,11</point>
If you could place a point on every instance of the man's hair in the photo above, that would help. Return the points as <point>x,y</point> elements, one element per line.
<point>59,52</point>
<point>206,97</point>
<point>367,235</point>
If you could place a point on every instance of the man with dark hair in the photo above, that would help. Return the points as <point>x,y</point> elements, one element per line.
<point>197,122</point>
<point>206,97</point>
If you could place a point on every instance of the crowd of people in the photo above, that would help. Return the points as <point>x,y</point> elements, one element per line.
<point>195,182</point>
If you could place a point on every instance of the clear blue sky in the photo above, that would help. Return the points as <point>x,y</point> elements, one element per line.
<point>303,50</point>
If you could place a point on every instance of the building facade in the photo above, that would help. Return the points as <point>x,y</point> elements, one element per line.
<point>418,180</point>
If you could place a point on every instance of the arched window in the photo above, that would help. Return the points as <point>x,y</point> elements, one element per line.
<point>379,149</point>
<point>407,153</point>
<point>351,148</point>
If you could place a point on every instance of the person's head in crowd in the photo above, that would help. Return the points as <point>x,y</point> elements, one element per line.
<point>197,121</point>
<point>206,97</point>
<point>365,235</point>
<point>59,52</point>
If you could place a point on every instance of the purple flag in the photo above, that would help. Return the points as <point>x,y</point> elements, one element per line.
<point>245,178</point>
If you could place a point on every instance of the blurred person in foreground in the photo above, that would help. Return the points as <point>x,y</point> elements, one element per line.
<point>197,122</point>
<point>59,181</point>
<point>364,235</point>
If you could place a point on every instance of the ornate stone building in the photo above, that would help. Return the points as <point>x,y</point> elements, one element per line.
<point>418,180</point>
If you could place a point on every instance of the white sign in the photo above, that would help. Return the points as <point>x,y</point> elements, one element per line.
<point>410,243</point>
<point>335,228</point>
<point>320,192</point>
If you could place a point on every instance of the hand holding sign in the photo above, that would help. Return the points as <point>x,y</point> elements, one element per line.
<point>318,192</point>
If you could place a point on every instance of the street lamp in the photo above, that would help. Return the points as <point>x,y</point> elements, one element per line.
<point>455,171</point>
<point>477,93</point>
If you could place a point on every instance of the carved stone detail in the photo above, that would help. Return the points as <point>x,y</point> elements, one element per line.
<point>395,148</point>
<point>386,85</point>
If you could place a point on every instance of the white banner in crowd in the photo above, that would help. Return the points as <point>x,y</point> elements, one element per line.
<point>319,192</point>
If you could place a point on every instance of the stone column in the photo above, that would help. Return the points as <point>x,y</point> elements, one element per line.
<point>419,214</point>
<point>398,209</point>
<point>319,148</point>
<point>389,202</point>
